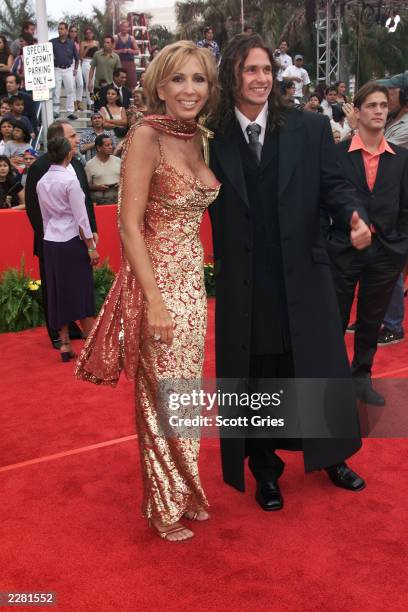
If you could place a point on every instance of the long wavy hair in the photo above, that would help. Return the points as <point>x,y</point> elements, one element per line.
<point>230,76</point>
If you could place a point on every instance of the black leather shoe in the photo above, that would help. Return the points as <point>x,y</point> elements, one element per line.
<point>386,336</point>
<point>342,476</point>
<point>269,496</point>
<point>366,393</point>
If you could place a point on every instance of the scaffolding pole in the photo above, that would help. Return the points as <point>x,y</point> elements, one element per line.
<point>328,26</point>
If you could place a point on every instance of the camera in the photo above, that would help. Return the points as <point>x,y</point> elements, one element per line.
<point>338,112</point>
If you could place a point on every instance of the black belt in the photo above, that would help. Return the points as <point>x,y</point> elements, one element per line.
<point>64,67</point>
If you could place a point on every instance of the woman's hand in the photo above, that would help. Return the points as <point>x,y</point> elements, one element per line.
<point>160,322</point>
<point>94,257</point>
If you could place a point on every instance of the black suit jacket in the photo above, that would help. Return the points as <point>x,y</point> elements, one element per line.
<point>100,98</point>
<point>270,333</point>
<point>308,178</point>
<point>35,173</point>
<point>386,206</point>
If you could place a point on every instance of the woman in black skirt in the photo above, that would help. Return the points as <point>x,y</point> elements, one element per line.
<point>69,248</point>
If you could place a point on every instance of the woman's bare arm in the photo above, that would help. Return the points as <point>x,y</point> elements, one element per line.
<point>140,162</point>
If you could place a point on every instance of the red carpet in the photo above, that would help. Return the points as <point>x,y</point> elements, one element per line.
<point>71,523</point>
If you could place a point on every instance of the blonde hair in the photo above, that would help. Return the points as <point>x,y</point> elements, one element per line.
<point>167,63</point>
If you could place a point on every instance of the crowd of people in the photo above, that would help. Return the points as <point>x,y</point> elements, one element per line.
<point>102,79</point>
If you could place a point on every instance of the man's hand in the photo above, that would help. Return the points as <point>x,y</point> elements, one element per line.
<point>360,234</point>
<point>96,238</point>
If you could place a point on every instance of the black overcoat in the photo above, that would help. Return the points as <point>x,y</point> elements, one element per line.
<point>309,179</point>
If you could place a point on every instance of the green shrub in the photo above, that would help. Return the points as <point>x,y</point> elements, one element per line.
<point>103,279</point>
<point>20,301</point>
<point>209,279</point>
<point>21,297</point>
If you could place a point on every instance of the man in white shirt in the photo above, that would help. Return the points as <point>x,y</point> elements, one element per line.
<point>282,58</point>
<point>330,100</point>
<point>299,76</point>
<point>103,172</point>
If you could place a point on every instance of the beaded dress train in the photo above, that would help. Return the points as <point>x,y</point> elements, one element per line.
<point>120,338</point>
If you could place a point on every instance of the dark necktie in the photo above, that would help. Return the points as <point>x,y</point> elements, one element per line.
<point>119,94</point>
<point>253,130</point>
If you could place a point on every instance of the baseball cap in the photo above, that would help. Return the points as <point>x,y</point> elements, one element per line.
<point>32,152</point>
<point>396,81</point>
<point>298,57</point>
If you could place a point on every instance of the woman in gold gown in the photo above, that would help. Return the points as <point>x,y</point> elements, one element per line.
<point>153,322</point>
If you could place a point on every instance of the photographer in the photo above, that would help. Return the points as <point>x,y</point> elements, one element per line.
<point>282,58</point>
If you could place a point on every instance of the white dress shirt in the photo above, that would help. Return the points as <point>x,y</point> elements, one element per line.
<point>261,120</point>
<point>327,109</point>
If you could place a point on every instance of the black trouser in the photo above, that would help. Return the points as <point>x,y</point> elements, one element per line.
<point>264,463</point>
<point>376,270</point>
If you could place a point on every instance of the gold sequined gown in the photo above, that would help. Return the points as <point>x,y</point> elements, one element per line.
<point>172,221</point>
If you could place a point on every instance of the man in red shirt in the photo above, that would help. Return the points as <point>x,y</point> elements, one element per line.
<point>379,172</point>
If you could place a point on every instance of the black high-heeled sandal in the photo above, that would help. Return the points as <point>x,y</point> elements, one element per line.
<point>67,355</point>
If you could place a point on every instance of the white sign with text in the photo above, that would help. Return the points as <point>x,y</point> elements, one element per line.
<point>39,67</point>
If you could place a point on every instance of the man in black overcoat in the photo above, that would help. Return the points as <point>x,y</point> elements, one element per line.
<point>35,173</point>
<point>276,310</point>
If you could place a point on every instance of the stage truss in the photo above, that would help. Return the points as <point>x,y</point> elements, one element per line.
<point>328,30</point>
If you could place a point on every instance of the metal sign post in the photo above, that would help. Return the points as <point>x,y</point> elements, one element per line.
<point>42,34</point>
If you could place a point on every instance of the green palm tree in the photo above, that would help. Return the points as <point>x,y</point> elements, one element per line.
<point>100,21</point>
<point>13,13</point>
<point>160,36</point>
<point>372,50</point>
<point>103,19</point>
<point>224,16</point>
